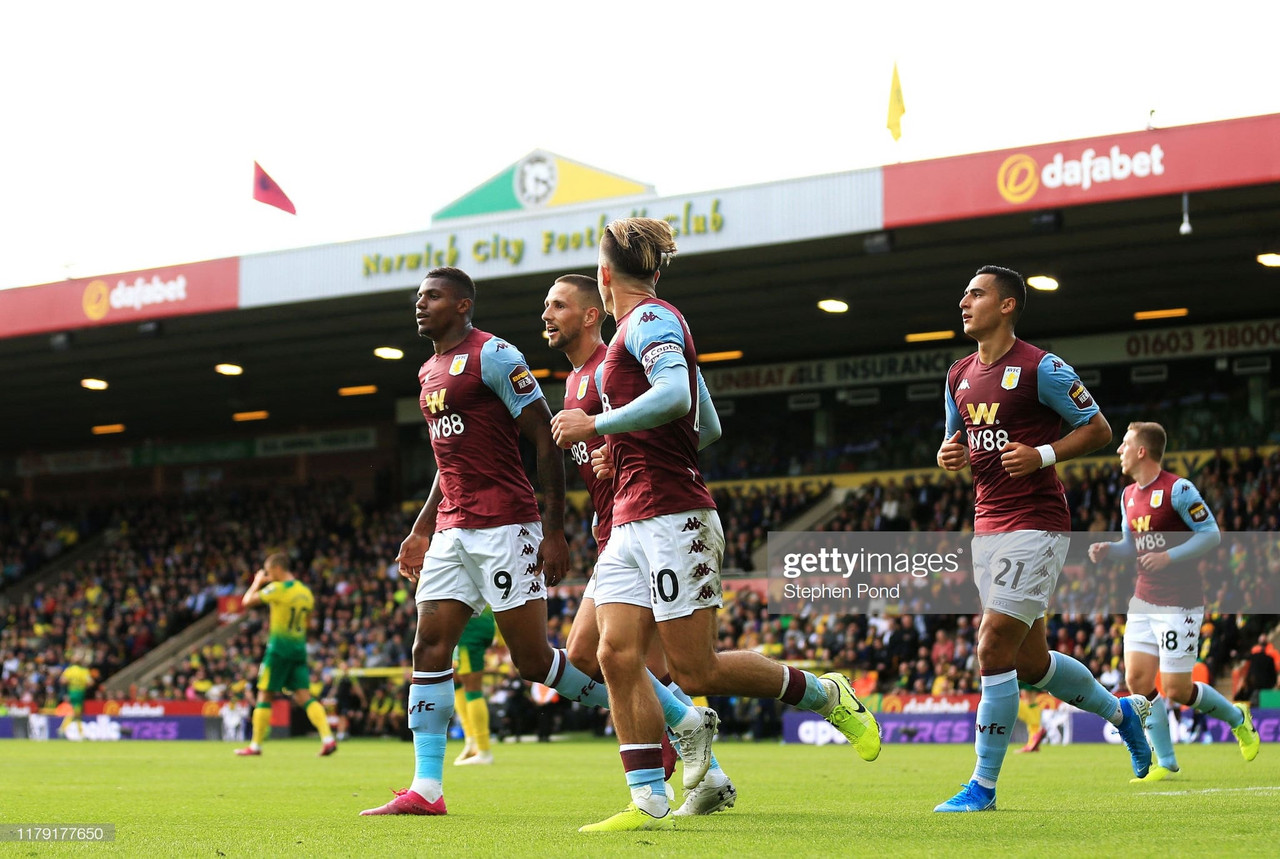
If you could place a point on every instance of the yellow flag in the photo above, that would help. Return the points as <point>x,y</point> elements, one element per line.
<point>896,107</point>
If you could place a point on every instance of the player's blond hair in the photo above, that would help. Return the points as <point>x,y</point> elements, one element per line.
<point>638,247</point>
<point>1152,436</point>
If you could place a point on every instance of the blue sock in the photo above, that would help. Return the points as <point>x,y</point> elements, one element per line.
<point>815,694</point>
<point>997,711</point>
<point>430,709</point>
<point>1157,726</point>
<point>679,693</point>
<point>674,711</point>
<point>1068,680</point>
<point>1211,702</point>
<point>638,762</point>
<point>573,684</point>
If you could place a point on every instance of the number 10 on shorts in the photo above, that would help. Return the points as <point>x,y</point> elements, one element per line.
<point>664,586</point>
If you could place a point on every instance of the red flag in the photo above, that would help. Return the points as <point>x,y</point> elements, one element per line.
<point>265,190</point>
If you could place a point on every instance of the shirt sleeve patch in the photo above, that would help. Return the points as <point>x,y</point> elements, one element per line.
<point>1080,395</point>
<point>1198,512</point>
<point>522,381</point>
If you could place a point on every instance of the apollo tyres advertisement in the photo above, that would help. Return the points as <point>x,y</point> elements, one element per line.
<point>138,296</point>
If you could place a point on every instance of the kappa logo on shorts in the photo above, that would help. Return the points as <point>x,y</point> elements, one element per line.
<point>527,550</point>
<point>706,593</point>
<point>697,546</point>
<point>524,532</point>
<point>692,524</point>
<point>535,586</point>
<point>531,569</point>
<point>702,570</point>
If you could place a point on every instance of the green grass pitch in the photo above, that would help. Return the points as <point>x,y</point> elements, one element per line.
<point>197,799</point>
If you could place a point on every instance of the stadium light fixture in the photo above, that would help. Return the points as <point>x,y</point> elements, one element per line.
<point>1270,260</point>
<point>108,429</point>
<point>560,375</point>
<point>712,357</point>
<point>93,384</point>
<point>389,353</point>
<point>1042,282</point>
<point>926,336</point>
<point>1167,313</point>
<point>228,369</point>
<point>833,305</point>
<point>357,390</point>
<point>241,417</point>
<point>541,373</point>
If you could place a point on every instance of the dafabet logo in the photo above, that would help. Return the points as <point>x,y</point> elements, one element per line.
<point>99,298</point>
<point>1020,176</point>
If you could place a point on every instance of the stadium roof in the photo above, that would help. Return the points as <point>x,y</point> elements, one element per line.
<point>306,322</point>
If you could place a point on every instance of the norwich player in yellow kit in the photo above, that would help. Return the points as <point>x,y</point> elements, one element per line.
<point>285,665</point>
<point>77,679</point>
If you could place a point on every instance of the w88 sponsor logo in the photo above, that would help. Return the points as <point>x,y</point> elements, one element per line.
<point>447,426</point>
<point>988,439</point>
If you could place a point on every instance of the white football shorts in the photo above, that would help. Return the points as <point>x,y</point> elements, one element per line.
<point>1017,571</point>
<point>670,564</point>
<point>479,566</point>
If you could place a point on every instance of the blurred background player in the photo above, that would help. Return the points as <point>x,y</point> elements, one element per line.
<point>661,568</point>
<point>573,314</point>
<point>285,664</point>
<point>468,693</point>
<point>77,679</point>
<point>1005,406</point>
<point>1167,525</point>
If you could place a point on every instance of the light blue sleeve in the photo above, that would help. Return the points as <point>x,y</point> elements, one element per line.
<point>655,338</point>
<point>663,403</point>
<point>954,422</point>
<point>708,419</point>
<point>1124,549</point>
<point>1198,517</point>
<point>504,371</point>
<point>1061,390</point>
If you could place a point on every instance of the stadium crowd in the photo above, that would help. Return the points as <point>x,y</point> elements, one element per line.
<point>172,559</point>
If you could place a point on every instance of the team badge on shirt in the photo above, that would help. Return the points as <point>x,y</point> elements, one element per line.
<point>1157,498</point>
<point>1010,379</point>
<point>582,387</point>
<point>459,364</point>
